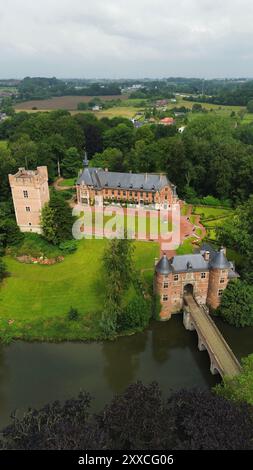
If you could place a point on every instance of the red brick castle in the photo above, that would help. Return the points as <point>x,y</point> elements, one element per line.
<point>204,275</point>
<point>96,186</point>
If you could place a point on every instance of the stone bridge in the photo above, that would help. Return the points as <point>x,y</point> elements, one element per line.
<point>222,358</point>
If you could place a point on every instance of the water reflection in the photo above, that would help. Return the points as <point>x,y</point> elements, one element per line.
<point>32,374</point>
<point>122,360</point>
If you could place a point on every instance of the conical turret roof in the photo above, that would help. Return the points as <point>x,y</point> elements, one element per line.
<point>164,266</point>
<point>219,261</point>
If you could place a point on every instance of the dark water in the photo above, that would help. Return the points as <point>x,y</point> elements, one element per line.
<point>32,374</point>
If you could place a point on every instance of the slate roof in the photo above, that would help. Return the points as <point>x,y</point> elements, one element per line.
<point>100,179</point>
<point>184,263</point>
<point>164,266</point>
<point>196,262</point>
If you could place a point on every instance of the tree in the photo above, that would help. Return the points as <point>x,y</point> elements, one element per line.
<point>236,306</point>
<point>57,220</point>
<point>240,387</point>
<point>118,267</point>
<point>138,418</point>
<point>2,269</point>
<point>48,225</point>
<point>136,314</point>
<point>237,233</point>
<point>71,162</point>
<point>82,106</point>
<point>250,106</point>
<point>111,158</point>
<point>121,137</point>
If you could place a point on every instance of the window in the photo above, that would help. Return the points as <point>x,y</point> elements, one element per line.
<point>106,191</point>
<point>220,291</point>
<point>25,193</point>
<point>176,277</point>
<point>165,285</point>
<point>136,194</point>
<point>166,276</point>
<point>28,209</point>
<point>112,193</point>
<point>124,193</point>
<point>118,193</point>
<point>30,223</point>
<point>222,280</point>
<point>130,193</point>
<point>165,297</point>
<point>203,275</point>
<point>141,194</point>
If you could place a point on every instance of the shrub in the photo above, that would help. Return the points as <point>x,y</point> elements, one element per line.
<point>236,306</point>
<point>73,314</point>
<point>137,314</point>
<point>68,247</point>
<point>240,387</point>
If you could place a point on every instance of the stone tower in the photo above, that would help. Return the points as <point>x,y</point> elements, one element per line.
<point>163,286</point>
<point>30,193</point>
<point>218,278</point>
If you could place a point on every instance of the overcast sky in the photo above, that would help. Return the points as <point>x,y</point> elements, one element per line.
<point>126,38</point>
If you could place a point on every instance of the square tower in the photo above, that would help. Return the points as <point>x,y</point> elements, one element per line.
<point>30,193</point>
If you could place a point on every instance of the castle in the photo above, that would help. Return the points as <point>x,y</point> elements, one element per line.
<point>204,275</point>
<point>96,186</point>
<point>30,193</point>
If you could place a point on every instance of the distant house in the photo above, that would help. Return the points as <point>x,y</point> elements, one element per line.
<point>138,124</point>
<point>161,103</point>
<point>3,116</point>
<point>96,107</point>
<point>167,121</point>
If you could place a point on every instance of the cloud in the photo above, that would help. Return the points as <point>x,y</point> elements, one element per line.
<point>133,38</point>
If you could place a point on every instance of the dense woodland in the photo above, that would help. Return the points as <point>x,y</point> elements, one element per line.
<point>210,157</point>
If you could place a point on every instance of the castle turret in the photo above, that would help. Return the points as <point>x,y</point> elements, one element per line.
<point>218,278</point>
<point>163,285</point>
<point>30,193</point>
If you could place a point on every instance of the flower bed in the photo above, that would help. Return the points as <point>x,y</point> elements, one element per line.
<point>41,260</point>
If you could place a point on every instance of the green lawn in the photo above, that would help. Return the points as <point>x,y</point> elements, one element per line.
<point>38,298</point>
<point>135,223</point>
<point>68,182</point>
<point>187,247</point>
<point>184,209</point>
<point>207,212</point>
<point>3,144</point>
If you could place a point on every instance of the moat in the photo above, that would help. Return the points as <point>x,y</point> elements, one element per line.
<point>32,374</point>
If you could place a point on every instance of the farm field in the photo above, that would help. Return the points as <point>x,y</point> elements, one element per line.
<point>63,102</point>
<point>40,311</point>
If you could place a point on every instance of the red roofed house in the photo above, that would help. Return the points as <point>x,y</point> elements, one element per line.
<point>167,121</point>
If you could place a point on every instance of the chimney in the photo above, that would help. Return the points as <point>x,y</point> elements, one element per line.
<point>161,175</point>
<point>146,177</point>
<point>106,169</point>
<point>207,255</point>
<point>223,250</point>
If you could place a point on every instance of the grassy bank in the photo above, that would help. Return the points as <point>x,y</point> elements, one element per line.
<point>35,300</point>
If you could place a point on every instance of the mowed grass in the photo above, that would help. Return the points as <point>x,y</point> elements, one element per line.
<point>35,300</point>
<point>123,111</point>
<point>68,182</point>
<point>3,144</point>
<point>207,212</point>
